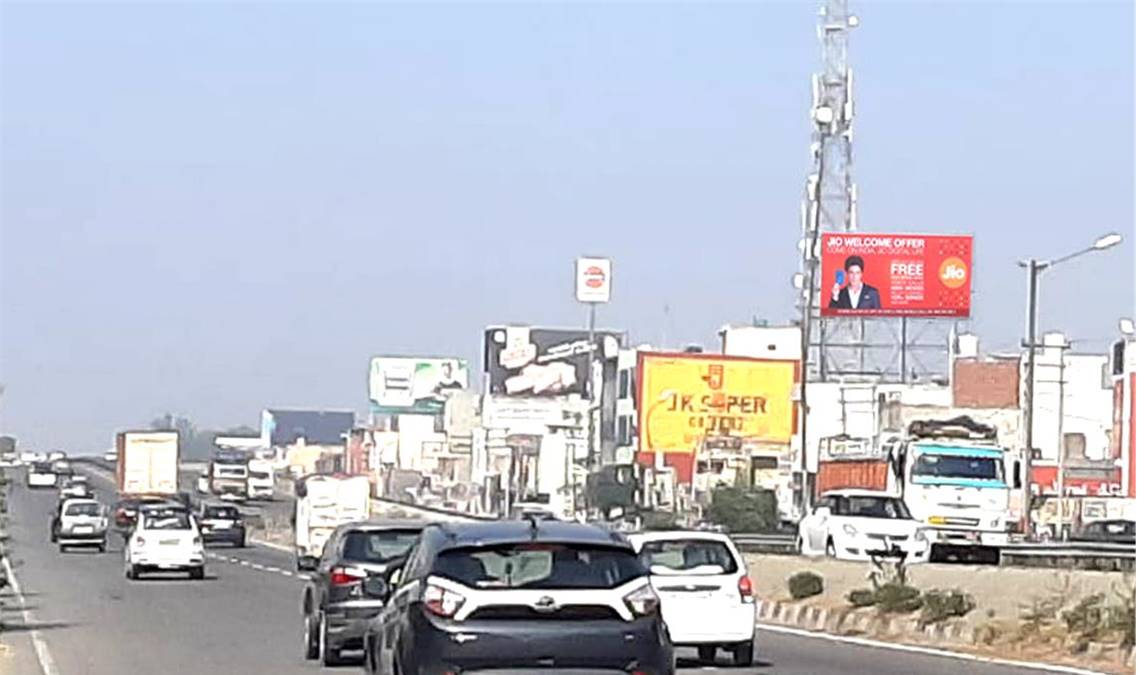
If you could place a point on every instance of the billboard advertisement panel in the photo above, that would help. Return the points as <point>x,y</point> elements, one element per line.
<point>685,399</point>
<point>403,384</point>
<point>895,275</point>
<point>593,279</point>
<point>527,361</point>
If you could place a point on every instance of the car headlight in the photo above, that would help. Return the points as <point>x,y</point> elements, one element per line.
<point>921,535</point>
<point>994,524</point>
<point>849,530</point>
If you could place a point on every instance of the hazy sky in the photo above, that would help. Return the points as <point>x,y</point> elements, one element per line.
<point>211,208</point>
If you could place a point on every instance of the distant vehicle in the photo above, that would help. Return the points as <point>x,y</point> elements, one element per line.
<point>29,457</point>
<point>222,523</point>
<point>81,522</point>
<point>111,456</point>
<point>147,463</point>
<point>56,455</point>
<point>335,613</point>
<point>228,475</point>
<point>164,539</point>
<point>62,467</point>
<point>322,503</point>
<point>528,595</point>
<point>1107,532</point>
<point>705,590</point>
<point>127,510</point>
<point>41,475</point>
<point>260,479</point>
<point>852,524</point>
<point>77,487</point>
<point>9,460</point>
<point>203,482</point>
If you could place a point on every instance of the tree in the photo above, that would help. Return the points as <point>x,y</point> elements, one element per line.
<point>193,443</point>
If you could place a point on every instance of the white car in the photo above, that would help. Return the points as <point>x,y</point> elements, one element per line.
<point>705,591</point>
<point>82,522</point>
<point>41,475</point>
<point>852,524</point>
<point>77,487</point>
<point>164,539</point>
<point>111,456</point>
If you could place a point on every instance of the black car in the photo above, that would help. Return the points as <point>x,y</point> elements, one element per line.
<point>127,510</point>
<point>221,523</point>
<point>336,610</point>
<point>525,595</point>
<point>1108,532</point>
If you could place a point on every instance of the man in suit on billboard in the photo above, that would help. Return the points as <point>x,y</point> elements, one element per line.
<point>857,295</point>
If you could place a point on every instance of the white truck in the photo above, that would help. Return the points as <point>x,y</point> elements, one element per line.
<point>260,479</point>
<point>322,503</point>
<point>952,474</point>
<point>147,463</point>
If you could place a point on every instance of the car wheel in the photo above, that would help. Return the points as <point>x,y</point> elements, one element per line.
<point>328,652</point>
<point>63,548</point>
<point>196,573</point>
<point>102,547</point>
<point>802,546</point>
<point>241,542</point>
<point>310,638</point>
<point>830,548</point>
<point>743,654</point>
<point>132,572</point>
<point>707,655</point>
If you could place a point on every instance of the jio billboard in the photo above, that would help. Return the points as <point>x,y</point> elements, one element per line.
<point>895,275</point>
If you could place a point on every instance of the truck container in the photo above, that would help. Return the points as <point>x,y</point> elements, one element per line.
<point>322,503</point>
<point>147,462</point>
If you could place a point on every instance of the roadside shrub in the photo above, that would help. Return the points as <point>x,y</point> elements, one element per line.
<point>898,598</point>
<point>1085,619</point>
<point>1121,614</point>
<point>805,585</point>
<point>658,520</point>
<point>1042,612</point>
<point>942,605</point>
<point>743,510</point>
<point>861,597</point>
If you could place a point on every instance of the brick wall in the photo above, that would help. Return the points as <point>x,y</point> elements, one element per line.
<point>986,384</point>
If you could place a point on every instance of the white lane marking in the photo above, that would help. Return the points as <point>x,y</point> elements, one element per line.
<point>47,664</point>
<point>260,567</point>
<point>275,547</point>
<point>300,577</point>
<point>927,651</point>
<point>244,563</point>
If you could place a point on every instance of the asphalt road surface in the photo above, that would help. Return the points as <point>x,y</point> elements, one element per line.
<point>244,617</point>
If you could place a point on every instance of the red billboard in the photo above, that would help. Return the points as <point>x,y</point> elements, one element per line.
<point>895,275</point>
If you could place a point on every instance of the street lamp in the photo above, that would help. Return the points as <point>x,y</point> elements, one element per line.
<point>1034,268</point>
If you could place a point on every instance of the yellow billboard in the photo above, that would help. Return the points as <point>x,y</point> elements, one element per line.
<point>684,400</point>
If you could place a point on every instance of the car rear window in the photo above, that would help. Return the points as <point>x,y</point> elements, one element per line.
<point>378,546</point>
<point>82,510</point>
<point>41,467</point>
<point>702,556</point>
<point>549,566</point>
<point>221,512</point>
<point>167,520</point>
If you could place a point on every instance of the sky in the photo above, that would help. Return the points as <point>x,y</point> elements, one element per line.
<point>212,208</point>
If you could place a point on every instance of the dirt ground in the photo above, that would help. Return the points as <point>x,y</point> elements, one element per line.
<point>1000,592</point>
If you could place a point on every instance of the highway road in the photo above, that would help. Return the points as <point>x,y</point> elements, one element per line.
<point>244,618</point>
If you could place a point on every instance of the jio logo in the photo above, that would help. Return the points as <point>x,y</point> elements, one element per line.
<point>953,273</point>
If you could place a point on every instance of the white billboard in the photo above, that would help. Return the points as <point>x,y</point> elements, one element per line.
<point>402,384</point>
<point>593,279</point>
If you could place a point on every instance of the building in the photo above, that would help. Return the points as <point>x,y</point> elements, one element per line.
<point>1123,367</point>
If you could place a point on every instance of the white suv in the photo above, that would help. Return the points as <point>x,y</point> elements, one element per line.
<point>164,539</point>
<point>705,591</point>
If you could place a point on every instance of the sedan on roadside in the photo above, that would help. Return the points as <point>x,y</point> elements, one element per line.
<point>860,524</point>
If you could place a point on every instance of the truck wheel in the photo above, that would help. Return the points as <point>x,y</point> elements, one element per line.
<point>743,654</point>
<point>707,655</point>
<point>196,573</point>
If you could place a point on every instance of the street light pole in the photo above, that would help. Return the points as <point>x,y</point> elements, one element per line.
<point>1034,268</point>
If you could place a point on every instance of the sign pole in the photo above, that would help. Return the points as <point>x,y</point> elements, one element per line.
<point>591,441</point>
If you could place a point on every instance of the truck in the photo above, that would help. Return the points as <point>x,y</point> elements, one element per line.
<point>147,463</point>
<point>322,503</point>
<point>952,474</point>
<point>260,479</point>
<point>227,475</point>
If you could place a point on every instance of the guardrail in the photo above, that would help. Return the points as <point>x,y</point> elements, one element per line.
<point>1064,555</point>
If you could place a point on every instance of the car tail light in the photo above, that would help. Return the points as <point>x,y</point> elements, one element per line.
<point>139,541</point>
<point>745,586</point>
<point>197,541</point>
<point>642,602</point>
<point>442,601</point>
<point>345,576</point>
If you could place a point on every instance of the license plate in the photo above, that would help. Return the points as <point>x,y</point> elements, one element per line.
<point>168,542</point>
<point>84,529</point>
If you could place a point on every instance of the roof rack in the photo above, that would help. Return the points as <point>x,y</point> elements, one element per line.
<point>956,427</point>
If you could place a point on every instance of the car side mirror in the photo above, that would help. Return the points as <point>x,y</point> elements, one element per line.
<point>376,587</point>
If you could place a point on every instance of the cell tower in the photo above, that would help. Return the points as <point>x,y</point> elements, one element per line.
<point>837,348</point>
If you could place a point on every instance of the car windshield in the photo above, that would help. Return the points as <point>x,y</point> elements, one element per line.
<point>89,509</point>
<point>42,467</point>
<point>683,555</point>
<point>166,520</point>
<point>378,546</point>
<point>1114,528</point>
<point>221,512</point>
<point>548,566</point>
<point>872,507</point>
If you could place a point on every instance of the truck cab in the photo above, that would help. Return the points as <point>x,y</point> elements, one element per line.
<point>229,476</point>
<point>260,479</point>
